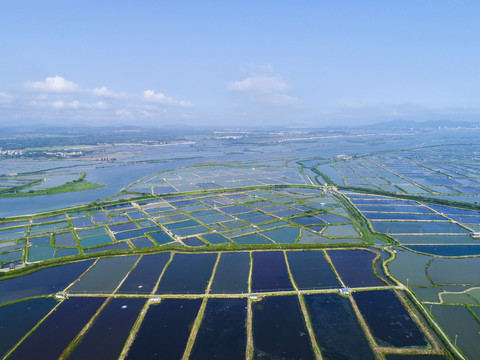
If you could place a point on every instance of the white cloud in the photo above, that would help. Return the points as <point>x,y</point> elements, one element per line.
<point>269,90</point>
<point>61,105</point>
<point>162,99</point>
<point>5,98</point>
<point>259,84</point>
<point>55,84</point>
<point>104,92</point>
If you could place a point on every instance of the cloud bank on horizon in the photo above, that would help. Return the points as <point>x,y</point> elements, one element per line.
<point>255,63</point>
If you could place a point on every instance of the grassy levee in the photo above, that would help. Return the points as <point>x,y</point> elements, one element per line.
<point>70,186</point>
<point>68,350</point>
<point>367,232</point>
<point>15,189</point>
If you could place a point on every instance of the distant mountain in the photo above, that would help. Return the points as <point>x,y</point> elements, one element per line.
<point>430,124</point>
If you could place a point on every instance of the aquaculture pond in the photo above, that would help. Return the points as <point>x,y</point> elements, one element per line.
<point>165,329</point>
<point>105,338</point>
<point>455,271</point>
<point>40,253</point>
<point>447,250</point>
<point>355,267</point>
<point>336,328</point>
<point>66,239</point>
<point>187,274</point>
<point>387,318</point>
<point>310,270</point>
<point>105,275</point>
<point>270,272</point>
<point>53,336</point>
<point>285,235</point>
<point>434,239</point>
<point>215,238</point>
<point>404,227</point>
<point>279,329</point>
<point>232,273</point>
<point>457,321</point>
<point>145,274</point>
<point>409,267</point>
<point>42,282</point>
<point>17,319</point>
<point>222,333</point>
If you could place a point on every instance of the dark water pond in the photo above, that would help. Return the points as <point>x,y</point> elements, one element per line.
<point>165,330</point>
<point>134,233</point>
<point>42,282</point>
<point>161,237</point>
<point>106,337</point>
<point>187,273</point>
<point>66,239</point>
<point>447,250</point>
<point>310,270</point>
<point>123,227</point>
<point>105,276</point>
<point>279,330</point>
<point>355,267</point>
<point>222,334</point>
<point>144,276</point>
<point>58,330</point>
<point>270,272</point>
<point>389,208</point>
<point>336,327</point>
<point>215,238</point>
<point>434,239</point>
<point>232,273</point>
<point>403,216</point>
<point>193,241</point>
<point>17,319</point>
<point>142,242</point>
<point>387,318</point>
<point>391,227</point>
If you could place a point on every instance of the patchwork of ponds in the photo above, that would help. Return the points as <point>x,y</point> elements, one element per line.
<point>239,217</point>
<point>278,327</point>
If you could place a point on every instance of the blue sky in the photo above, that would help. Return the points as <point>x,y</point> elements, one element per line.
<point>228,63</point>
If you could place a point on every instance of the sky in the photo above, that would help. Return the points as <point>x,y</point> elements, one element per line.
<point>238,63</point>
